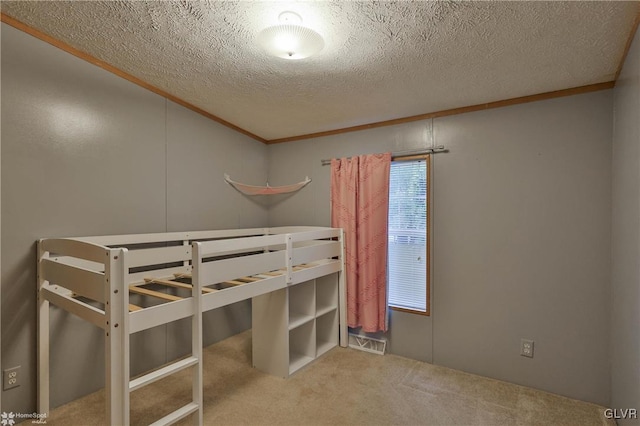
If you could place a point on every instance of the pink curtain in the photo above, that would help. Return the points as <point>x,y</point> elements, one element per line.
<point>360,205</point>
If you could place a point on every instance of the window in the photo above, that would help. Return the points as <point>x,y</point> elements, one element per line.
<point>409,253</point>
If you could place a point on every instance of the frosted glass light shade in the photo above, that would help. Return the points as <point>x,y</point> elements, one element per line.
<point>290,41</point>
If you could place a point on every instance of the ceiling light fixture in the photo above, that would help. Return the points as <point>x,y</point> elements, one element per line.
<point>289,39</point>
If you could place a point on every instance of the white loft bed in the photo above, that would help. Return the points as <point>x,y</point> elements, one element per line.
<point>188,273</point>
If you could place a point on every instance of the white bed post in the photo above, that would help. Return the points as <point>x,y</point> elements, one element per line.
<point>43,340</point>
<point>196,333</point>
<point>186,244</point>
<point>116,338</point>
<point>342,298</point>
<point>289,257</point>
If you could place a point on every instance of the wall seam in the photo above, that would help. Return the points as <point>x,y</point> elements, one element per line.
<point>166,205</point>
<point>611,243</point>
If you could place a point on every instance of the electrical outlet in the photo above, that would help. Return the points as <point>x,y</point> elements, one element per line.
<point>11,378</point>
<point>526,348</point>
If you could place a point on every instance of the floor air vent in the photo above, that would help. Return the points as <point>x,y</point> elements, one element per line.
<point>367,344</point>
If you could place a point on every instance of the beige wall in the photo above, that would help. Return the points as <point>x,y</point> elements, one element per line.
<point>87,153</point>
<point>521,222</point>
<point>625,336</point>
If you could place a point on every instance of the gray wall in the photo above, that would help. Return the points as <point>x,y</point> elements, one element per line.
<point>522,244</point>
<point>521,222</point>
<point>625,336</point>
<point>87,153</point>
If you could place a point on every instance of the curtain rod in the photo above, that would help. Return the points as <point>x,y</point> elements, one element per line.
<point>434,150</point>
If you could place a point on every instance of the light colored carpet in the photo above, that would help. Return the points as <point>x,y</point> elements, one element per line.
<point>344,387</point>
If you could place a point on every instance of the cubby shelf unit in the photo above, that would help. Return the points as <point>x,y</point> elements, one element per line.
<point>296,325</point>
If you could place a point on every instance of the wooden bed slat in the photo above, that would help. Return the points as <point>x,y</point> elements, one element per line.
<point>249,279</point>
<point>133,308</point>
<point>237,281</point>
<point>146,292</point>
<point>282,271</point>
<point>177,284</point>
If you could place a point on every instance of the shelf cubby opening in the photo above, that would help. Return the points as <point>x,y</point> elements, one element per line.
<point>302,346</point>
<point>301,304</point>
<point>326,294</point>
<point>326,332</point>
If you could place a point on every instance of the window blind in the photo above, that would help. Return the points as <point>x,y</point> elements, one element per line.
<point>407,261</point>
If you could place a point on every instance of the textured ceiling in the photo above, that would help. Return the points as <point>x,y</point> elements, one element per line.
<point>381,61</point>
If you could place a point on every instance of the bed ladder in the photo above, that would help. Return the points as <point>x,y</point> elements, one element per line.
<point>193,361</point>
<point>119,396</point>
